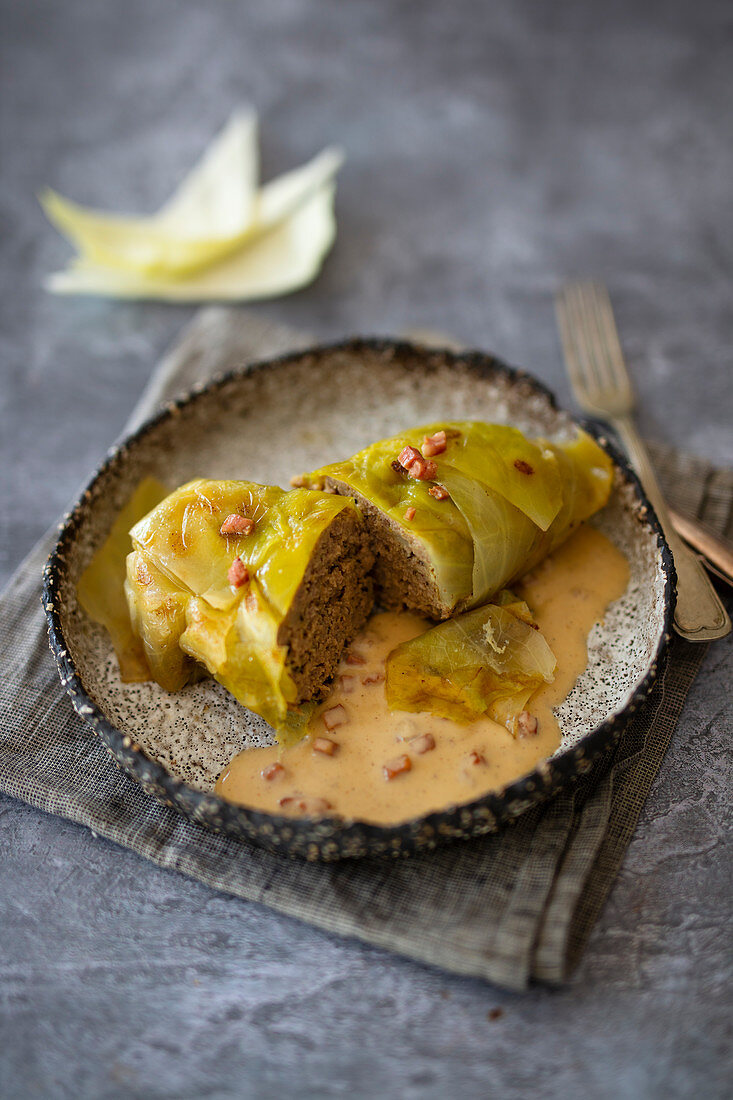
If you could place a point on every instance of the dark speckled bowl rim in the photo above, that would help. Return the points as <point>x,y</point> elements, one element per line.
<point>332,838</point>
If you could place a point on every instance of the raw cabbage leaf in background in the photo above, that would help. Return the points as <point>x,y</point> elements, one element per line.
<point>218,238</point>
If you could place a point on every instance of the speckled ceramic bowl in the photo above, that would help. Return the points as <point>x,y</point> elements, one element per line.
<point>264,423</point>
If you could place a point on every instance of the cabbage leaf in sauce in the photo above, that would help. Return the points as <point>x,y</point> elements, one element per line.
<point>100,587</point>
<point>487,662</point>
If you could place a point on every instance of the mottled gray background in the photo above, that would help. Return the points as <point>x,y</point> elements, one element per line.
<point>493,149</point>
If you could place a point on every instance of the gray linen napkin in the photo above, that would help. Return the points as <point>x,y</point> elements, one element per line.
<point>508,908</point>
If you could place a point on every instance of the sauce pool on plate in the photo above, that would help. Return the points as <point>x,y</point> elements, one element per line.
<point>361,760</point>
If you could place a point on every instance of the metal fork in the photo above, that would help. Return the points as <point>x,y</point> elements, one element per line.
<point>602,388</point>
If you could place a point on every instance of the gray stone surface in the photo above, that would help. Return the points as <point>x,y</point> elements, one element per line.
<point>493,149</point>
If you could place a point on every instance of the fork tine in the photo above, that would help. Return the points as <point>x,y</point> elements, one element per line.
<point>576,329</point>
<point>594,338</point>
<point>609,335</point>
<point>601,336</point>
<point>568,331</point>
<point>593,350</point>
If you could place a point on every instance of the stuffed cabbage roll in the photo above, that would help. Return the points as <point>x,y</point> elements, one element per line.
<point>261,586</point>
<point>458,510</point>
<point>487,662</point>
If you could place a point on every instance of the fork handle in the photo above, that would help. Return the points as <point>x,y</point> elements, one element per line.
<point>717,556</point>
<point>699,614</point>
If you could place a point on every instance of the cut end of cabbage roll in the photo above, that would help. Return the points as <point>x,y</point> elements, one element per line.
<point>330,606</point>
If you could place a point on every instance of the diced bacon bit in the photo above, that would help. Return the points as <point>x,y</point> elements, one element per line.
<point>325,746</point>
<point>238,573</point>
<point>373,678</point>
<point>272,771</point>
<point>237,525</point>
<point>335,716</point>
<point>438,492</point>
<point>353,658</point>
<point>527,724</point>
<point>476,758</point>
<point>423,469</point>
<point>522,466</point>
<point>305,805</point>
<point>397,766</point>
<point>410,514</point>
<point>422,744</point>
<point>250,602</point>
<point>298,481</point>
<point>418,467</point>
<point>346,683</point>
<point>434,444</point>
<point>407,456</point>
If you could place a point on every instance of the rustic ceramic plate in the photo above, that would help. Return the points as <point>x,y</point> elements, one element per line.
<point>264,423</point>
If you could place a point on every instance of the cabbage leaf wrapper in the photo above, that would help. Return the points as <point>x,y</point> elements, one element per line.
<point>186,611</point>
<point>485,663</point>
<point>510,502</point>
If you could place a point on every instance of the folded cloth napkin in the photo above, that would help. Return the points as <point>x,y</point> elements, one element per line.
<point>509,908</point>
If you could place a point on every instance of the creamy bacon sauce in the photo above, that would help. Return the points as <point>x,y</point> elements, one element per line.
<point>340,766</point>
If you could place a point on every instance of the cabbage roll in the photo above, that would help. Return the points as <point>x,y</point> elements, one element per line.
<point>458,510</point>
<point>263,587</point>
